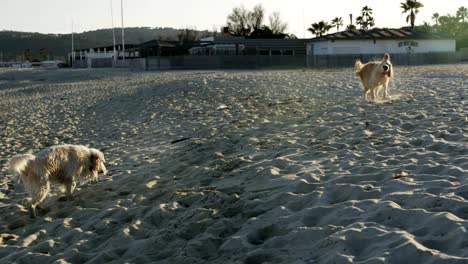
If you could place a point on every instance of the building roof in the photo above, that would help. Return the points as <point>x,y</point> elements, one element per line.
<point>260,42</point>
<point>157,43</point>
<point>382,33</point>
<point>127,46</point>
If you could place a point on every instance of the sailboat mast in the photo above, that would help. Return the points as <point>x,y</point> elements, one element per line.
<point>123,29</point>
<point>73,45</point>
<point>113,28</point>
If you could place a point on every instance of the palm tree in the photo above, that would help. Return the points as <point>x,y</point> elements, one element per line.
<point>435,17</point>
<point>462,14</point>
<point>319,28</point>
<point>449,24</point>
<point>412,7</point>
<point>360,21</point>
<point>366,11</point>
<point>337,22</point>
<point>351,27</point>
<point>365,20</point>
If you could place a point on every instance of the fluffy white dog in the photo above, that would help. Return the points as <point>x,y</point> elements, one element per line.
<point>63,164</point>
<point>374,75</point>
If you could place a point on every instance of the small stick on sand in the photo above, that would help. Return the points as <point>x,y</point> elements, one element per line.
<point>179,140</point>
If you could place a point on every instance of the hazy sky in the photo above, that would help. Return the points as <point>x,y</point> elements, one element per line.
<point>55,16</point>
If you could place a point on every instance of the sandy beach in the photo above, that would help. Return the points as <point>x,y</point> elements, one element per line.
<point>242,167</point>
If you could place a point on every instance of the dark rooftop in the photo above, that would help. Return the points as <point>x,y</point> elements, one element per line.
<point>158,43</point>
<point>111,47</point>
<point>382,33</point>
<point>260,42</point>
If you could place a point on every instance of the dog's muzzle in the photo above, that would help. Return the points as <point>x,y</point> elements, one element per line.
<point>103,170</point>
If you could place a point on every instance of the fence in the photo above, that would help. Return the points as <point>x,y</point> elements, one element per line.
<point>269,62</point>
<point>78,64</point>
<point>336,61</point>
<point>100,63</point>
<point>219,62</point>
<point>121,63</point>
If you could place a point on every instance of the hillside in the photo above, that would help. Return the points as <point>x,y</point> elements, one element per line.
<point>13,44</point>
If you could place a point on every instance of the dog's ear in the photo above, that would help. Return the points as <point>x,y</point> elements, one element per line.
<point>93,162</point>
<point>387,57</point>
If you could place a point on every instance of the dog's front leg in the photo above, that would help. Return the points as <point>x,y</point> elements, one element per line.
<point>70,188</point>
<point>385,94</point>
<point>32,211</point>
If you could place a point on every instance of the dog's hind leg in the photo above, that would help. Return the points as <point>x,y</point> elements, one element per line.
<point>377,91</point>
<point>365,91</point>
<point>370,88</point>
<point>365,94</point>
<point>374,92</point>
<point>37,198</point>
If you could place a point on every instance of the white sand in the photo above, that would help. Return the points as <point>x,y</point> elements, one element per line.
<point>268,167</point>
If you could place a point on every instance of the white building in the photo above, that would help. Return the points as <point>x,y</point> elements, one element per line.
<point>380,41</point>
<point>85,57</point>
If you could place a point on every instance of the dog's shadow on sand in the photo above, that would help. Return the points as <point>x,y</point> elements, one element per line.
<point>56,205</point>
<point>391,99</point>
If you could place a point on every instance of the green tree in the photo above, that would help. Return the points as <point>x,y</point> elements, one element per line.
<point>319,28</point>
<point>425,28</point>
<point>462,14</point>
<point>337,22</point>
<point>28,55</point>
<point>435,17</point>
<point>450,25</point>
<point>365,20</point>
<point>43,54</point>
<point>411,7</point>
<point>351,27</point>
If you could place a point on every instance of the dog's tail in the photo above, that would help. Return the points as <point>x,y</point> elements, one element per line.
<point>358,65</point>
<point>17,164</point>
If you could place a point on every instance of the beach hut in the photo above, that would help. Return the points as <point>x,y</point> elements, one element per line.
<point>379,41</point>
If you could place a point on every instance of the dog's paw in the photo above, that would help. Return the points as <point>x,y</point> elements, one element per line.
<point>42,210</point>
<point>65,199</point>
<point>93,180</point>
<point>32,215</point>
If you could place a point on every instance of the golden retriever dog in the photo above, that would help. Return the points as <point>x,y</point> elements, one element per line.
<point>63,164</point>
<point>374,75</point>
